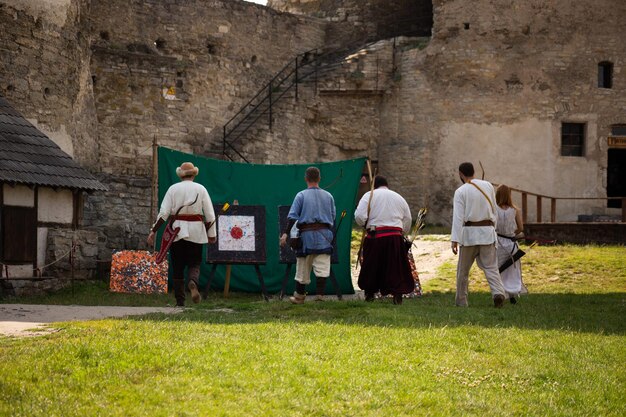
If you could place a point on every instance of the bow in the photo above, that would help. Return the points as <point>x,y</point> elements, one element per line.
<point>369,206</point>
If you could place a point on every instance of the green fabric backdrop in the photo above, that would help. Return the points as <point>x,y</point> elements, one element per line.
<point>269,186</point>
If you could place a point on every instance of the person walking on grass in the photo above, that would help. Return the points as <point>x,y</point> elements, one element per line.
<point>314,211</point>
<point>385,268</point>
<point>191,206</point>
<point>510,228</point>
<point>474,234</point>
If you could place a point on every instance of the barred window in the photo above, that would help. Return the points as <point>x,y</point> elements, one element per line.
<point>572,139</point>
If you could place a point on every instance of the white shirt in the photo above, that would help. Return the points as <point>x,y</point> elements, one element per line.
<point>388,208</point>
<point>181,194</point>
<point>471,205</point>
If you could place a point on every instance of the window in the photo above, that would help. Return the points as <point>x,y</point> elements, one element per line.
<point>605,74</point>
<point>618,130</point>
<point>572,139</point>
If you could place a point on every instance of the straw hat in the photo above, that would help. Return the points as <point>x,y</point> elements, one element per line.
<point>187,169</point>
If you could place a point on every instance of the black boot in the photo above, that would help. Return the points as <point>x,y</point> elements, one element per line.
<point>320,285</point>
<point>179,292</point>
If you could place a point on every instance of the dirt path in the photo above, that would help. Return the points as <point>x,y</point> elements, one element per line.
<point>22,320</point>
<point>31,320</point>
<point>429,252</point>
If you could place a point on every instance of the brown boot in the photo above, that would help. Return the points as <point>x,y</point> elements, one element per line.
<point>195,294</point>
<point>194,275</point>
<point>299,294</point>
<point>297,298</point>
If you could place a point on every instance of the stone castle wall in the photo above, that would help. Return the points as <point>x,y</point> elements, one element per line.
<point>494,85</point>
<point>44,71</point>
<point>212,57</point>
<point>361,20</point>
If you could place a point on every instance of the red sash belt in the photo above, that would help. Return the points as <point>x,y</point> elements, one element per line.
<point>384,231</point>
<point>189,217</point>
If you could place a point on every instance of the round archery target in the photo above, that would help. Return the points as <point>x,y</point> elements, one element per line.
<point>236,233</point>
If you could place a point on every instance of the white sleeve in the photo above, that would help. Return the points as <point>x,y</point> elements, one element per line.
<point>209,212</point>
<point>360,215</point>
<point>406,217</point>
<point>458,213</point>
<point>166,206</point>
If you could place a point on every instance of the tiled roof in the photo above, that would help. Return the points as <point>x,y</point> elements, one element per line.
<point>27,156</point>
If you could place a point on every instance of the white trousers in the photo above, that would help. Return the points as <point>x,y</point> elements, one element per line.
<point>487,260</point>
<point>319,263</point>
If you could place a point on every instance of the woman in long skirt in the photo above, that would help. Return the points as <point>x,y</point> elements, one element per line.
<point>509,228</point>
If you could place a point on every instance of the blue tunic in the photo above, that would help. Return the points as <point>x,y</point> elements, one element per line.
<point>314,205</point>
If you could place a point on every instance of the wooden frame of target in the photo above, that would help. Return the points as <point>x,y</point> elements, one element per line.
<point>240,236</point>
<point>240,241</point>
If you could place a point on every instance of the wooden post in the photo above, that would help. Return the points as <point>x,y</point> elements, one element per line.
<point>553,210</point>
<point>538,209</point>
<point>155,184</point>
<point>227,281</point>
<point>525,207</point>
<point>296,77</point>
<point>154,201</point>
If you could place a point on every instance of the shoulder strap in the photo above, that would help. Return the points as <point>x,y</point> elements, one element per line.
<point>483,193</point>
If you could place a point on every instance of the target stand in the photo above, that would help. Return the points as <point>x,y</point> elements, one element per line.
<point>240,241</point>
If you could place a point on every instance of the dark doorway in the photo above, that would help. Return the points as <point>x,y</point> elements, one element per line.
<point>616,176</point>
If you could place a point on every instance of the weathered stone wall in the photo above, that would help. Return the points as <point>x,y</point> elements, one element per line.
<point>494,85</point>
<point>361,20</point>
<point>44,71</point>
<point>86,251</point>
<point>213,56</point>
<point>336,116</point>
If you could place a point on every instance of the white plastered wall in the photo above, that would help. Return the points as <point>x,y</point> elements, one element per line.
<point>55,206</point>
<point>536,165</point>
<point>19,195</point>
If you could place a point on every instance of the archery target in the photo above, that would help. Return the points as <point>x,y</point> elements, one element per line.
<point>236,233</point>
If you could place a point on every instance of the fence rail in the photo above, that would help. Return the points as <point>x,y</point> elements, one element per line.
<point>539,198</point>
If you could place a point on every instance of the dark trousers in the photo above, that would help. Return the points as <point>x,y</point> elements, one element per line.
<point>185,254</point>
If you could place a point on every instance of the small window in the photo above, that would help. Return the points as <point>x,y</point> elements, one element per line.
<point>572,139</point>
<point>618,130</point>
<point>605,75</point>
<point>159,44</point>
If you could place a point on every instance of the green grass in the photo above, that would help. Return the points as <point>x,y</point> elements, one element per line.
<point>559,352</point>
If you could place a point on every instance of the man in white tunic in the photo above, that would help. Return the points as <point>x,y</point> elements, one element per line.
<point>385,268</point>
<point>191,205</point>
<point>474,235</point>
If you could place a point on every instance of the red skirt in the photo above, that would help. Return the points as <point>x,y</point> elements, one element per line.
<point>385,267</point>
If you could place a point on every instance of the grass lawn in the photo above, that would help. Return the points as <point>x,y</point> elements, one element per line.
<point>560,351</point>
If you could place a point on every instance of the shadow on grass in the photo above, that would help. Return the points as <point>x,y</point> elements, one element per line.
<point>589,313</point>
<point>602,313</point>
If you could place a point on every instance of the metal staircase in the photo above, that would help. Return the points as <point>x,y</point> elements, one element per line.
<point>311,67</point>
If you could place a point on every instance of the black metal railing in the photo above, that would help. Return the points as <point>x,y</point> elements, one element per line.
<point>311,65</point>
